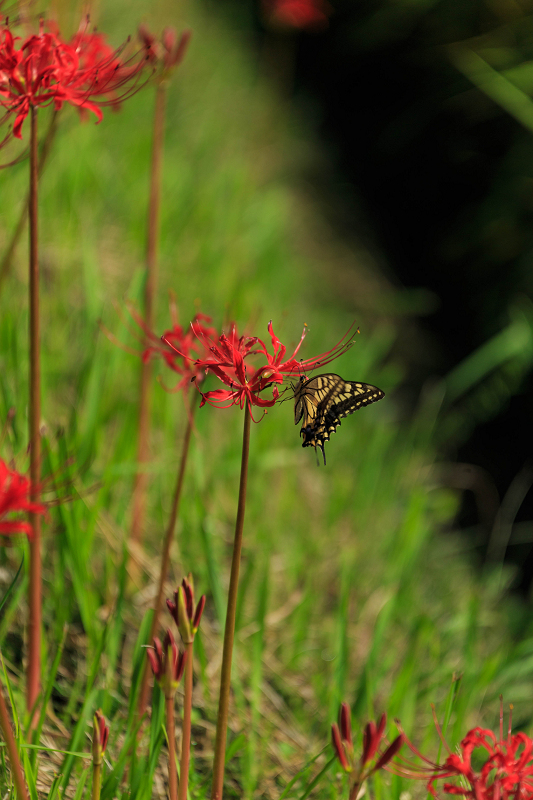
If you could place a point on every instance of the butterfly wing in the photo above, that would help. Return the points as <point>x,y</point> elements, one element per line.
<point>323,401</point>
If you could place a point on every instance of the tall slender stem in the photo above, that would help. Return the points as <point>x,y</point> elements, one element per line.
<point>165,557</point>
<point>97,781</point>
<point>150,289</point>
<point>171,733</point>
<point>34,635</point>
<point>11,747</point>
<point>354,791</point>
<point>186,734</point>
<point>229,631</point>
<point>5,264</point>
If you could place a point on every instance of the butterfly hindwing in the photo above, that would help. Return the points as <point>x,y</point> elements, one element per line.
<point>323,401</point>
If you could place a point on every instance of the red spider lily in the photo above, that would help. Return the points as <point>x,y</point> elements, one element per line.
<point>507,773</point>
<point>179,348</point>
<point>227,362</point>
<point>45,70</point>
<point>300,14</point>
<point>167,53</point>
<point>372,738</point>
<point>101,72</point>
<point>15,497</point>
<point>184,613</point>
<point>168,674</point>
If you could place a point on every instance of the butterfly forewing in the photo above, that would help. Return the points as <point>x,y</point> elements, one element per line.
<point>324,400</point>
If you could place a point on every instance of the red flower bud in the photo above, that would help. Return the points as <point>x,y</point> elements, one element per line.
<point>345,723</point>
<point>167,663</point>
<point>372,739</point>
<point>339,747</point>
<point>186,617</point>
<point>389,753</point>
<point>100,737</point>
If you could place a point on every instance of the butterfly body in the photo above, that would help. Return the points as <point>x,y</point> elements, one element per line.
<point>323,401</point>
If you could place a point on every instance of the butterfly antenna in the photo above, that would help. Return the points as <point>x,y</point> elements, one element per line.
<point>284,400</point>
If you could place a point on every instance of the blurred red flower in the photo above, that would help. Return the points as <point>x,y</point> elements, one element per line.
<point>45,70</point>
<point>165,53</point>
<point>180,348</point>
<point>505,771</point>
<point>227,357</point>
<point>14,498</point>
<point>303,14</point>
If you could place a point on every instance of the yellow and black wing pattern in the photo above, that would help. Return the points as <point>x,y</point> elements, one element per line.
<point>321,402</point>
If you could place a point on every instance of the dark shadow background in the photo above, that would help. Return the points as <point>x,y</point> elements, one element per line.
<point>445,178</point>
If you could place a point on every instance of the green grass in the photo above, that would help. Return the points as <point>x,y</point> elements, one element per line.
<point>351,590</point>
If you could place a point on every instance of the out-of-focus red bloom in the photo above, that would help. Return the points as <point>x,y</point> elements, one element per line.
<point>107,75</point>
<point>226,360</point>
<point>167,53</point>
<point>15,498</point>
<point>180,348</point>
<point>46,70</point>
<point>506,774</point>
<point>184,613</point>
<point>300,14</point>
<point>341,735</point>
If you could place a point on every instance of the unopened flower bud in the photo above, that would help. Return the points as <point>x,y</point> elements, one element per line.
<point>167,663</point>
<point>100,737</point>
<point>372,738</point>
<point>183,612</point>
<point>339,747</point>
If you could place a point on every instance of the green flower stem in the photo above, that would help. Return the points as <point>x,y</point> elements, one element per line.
<point>97,780</point>
<point>186,730</point>
<point>150,289</point>
<point>34,633</point>
<point>172,770</point>
<point>229,632</point>
<point>165,559</point>
<point>5,264</point>
<point>11,746</point>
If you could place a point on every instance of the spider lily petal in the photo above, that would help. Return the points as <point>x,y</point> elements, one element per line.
<point>507,773</point>
<point>15,490</point>
<point>227,360</point>
<point>45,70</point>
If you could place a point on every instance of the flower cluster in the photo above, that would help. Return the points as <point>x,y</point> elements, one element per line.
<point>372,738</point>
<point>44,70</point>
<point>165,54</point>
<point>505,770</point>
<point>167,663</point>
<point>299,14</point>
<point>227,357</point>
<point>166,660</point>
<point>180,348</point>
<point>14,498</point>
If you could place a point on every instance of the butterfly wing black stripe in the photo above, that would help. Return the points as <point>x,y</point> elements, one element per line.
<point>323,401</point>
